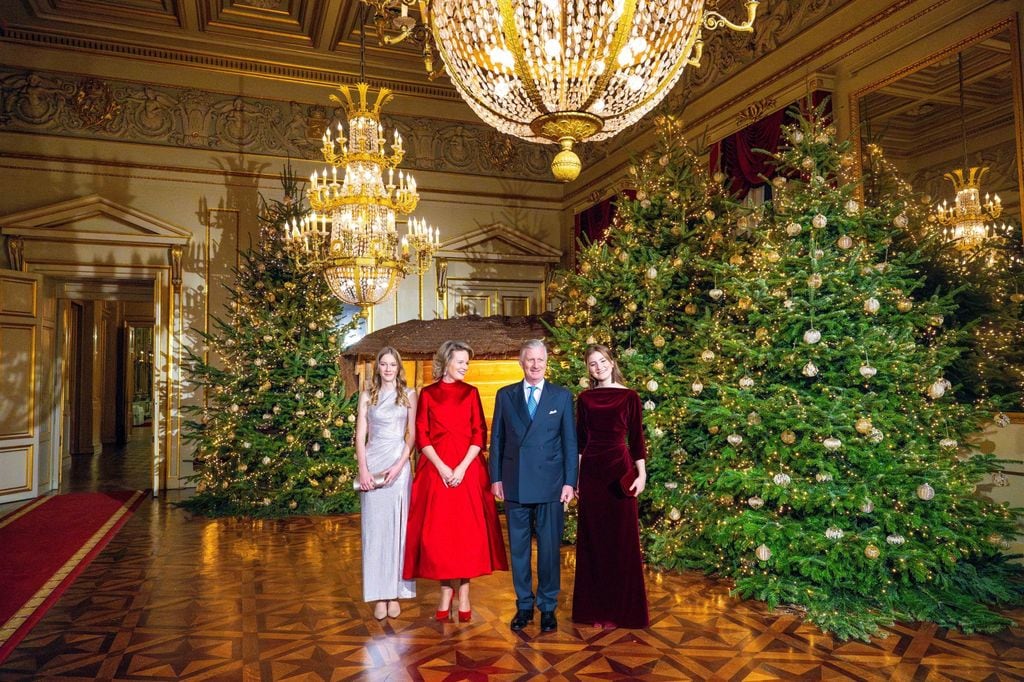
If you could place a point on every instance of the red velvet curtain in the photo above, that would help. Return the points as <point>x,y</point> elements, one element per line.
<point>591,223</point>
<point>737,155</point>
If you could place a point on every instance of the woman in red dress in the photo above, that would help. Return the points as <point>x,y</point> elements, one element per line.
<point>609,589</point>
<point>453,533</point>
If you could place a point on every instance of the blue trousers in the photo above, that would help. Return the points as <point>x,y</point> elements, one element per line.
<point>546,520</point>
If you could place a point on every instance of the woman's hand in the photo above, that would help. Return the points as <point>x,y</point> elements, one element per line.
<point>446,473</point>
<point>394,471</point>
<point>365,480</point>
<point>458,473</point>
<point>639,484</point>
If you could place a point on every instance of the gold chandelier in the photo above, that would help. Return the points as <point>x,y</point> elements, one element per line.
<point>351,234</point>
<point>558,71</point>
<point>965,222</point>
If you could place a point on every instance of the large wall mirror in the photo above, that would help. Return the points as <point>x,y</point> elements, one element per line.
<point>915,115</point>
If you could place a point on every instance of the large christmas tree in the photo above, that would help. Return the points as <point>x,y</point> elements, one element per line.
<point>274,435</point>
<point>805,440</point>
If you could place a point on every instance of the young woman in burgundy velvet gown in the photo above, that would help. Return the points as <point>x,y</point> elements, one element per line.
<point>453,532</point>
<point>609,590</point>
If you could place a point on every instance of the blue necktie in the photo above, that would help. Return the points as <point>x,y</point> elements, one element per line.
<point>531,402</point>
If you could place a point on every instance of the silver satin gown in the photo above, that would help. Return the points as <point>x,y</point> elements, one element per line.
<point>385,511</point>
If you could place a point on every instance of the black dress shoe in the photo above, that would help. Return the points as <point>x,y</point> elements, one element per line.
<point>548,622</point>
<point>521,619</point>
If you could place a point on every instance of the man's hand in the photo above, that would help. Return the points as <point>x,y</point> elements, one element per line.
<point>567,494</point>
<point>498,490</point>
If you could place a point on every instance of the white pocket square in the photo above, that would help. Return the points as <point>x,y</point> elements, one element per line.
<point>553,412</point>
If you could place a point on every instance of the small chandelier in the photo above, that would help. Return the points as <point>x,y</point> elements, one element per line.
<point>351,234</point>
<point>557,71</point>
<point>965,222</point>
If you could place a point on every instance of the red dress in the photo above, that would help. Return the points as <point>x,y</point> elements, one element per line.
<point>609,586</point>
<point>452,532</point>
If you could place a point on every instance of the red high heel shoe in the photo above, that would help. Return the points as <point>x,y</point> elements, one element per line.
<point>465,616</point>
<point>444,616</point>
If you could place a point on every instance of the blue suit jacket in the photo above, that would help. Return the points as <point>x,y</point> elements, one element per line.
<point>533,459</point>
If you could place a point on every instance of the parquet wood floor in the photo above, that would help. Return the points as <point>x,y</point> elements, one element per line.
<point>174,598</point>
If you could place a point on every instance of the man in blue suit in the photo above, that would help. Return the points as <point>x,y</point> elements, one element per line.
<point>534,464</point>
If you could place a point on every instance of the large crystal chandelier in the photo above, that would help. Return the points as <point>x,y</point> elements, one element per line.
<point>965,223</point>
<point>351,234</point>
<point>559,70</point>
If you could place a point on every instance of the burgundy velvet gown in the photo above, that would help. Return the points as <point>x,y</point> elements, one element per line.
<point>452,532</point>
<point>609,588</point>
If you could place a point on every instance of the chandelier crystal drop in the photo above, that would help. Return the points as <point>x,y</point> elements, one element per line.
<point>351,233</point>
<point>564,70</point>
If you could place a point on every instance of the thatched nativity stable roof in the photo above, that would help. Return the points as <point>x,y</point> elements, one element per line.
<point>491,338</point>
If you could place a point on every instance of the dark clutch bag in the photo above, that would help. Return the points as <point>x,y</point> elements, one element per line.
<point>627,479</point>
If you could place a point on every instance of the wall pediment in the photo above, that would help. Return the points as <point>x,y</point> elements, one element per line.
<point>499,242</point>
<point>95,220</point>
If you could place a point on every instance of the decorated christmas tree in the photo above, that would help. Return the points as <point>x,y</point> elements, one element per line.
<point>806,443</point>
<point>274,434</point>
<point>642,289</point>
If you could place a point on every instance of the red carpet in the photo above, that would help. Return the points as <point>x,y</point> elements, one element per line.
<point>44,545</point>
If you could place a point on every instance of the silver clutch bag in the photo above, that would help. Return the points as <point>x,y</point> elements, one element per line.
<point>378,480</point>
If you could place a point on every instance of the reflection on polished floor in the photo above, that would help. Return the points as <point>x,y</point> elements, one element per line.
<point>175,597</point>
<point>118,467</point>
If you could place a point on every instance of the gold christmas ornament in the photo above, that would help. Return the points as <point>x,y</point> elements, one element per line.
<point>744,303</point>
<point>1017,297</point>
<point>895,539</point>
<point>707,355</point>
<point>788,437</point>
<point>734,439</point>
<point>867,506</point>
<point>674,514</point>
<point>761,333</point>
<point>810,370</point>
<point>814,281</point>
<point>782,479</point>
<point>736,259</point>
<point>772,256</point>
<point>755,502</point>
<point>863,426</point>
<point>658,341</point>
<point>793,229</point>
<point>763,553</point>
<point>844,242</point>
<point>631,307</point>
<point>871,552</point>
<point>867,371</point>
<point>937,389</point>
<point>872,305</point>
<point>925,492</point>
<point>716,293</point>
<point>713,429</point>
<point>696,387</point>
<point>746,382</point>
<point>904,305</point>
<point>658,365</point>
<point>819,221</point>
<point>812,336</point>
<point>690,309</point>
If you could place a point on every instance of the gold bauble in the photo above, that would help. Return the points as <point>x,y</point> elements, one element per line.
<point>571,319</point>
<point>736,259</point>
<point>871,552</point>
<point>585,268</point>
<point>690,309</point>
<point>716,237</point>
<point>772,256</point>
<point>659,341</point>
<point>678,263</point>
<point>712,429</point>
<point>566,165</point>
<point>631,307</point>
<point>788,437</point>
<point>761,333</point>
<point>904,305</point>
<point>744,303</point>
<point>1017,298</point>
<point>863,426</point>
<point>293,505</point>
<point>623,257</point>
<point>658,365</point>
